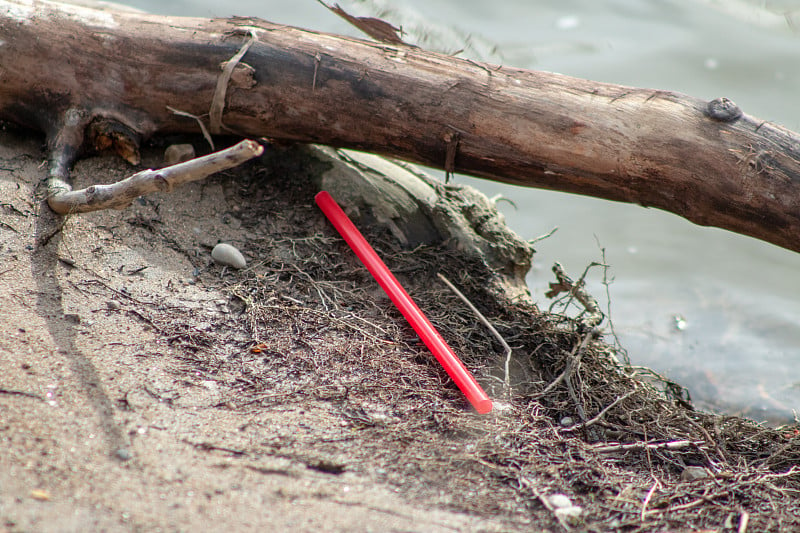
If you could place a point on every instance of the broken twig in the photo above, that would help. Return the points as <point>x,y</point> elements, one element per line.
<point>672,445</point>
<point>573,360</point>
<point>119,195</point>
<point>203,129</point>
<point>489,326</point>
<point>599,415</point>
<point>577,289</point>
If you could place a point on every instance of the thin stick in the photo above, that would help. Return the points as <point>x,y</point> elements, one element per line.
<point>543,237</point>
<point>682,507</point>
<point>489,326</point>
<point>656,485</point>
<point>578,290</point>
<point>579,350</point>
<point>607,283</point>
<point>119,195</point>
<point>599,415</point>
<point>672,445</point>
<point>197,119</point>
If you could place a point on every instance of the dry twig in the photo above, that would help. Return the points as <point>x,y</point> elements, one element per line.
<point>203,129</point>
<point>577,289</point>
<point>573,360</point>
<point>599,415</point>
<point>489,326</point>
<point>119,195</point>
<point>672,445</point>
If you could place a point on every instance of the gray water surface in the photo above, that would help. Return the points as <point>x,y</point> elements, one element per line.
<point>735,298</point>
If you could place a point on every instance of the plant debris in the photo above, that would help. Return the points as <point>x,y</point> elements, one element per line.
<point>308,327</point>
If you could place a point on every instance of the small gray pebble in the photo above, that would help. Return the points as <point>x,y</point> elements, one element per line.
<point>225,254</point>
<point>113,305</point>
<point>123,454</point>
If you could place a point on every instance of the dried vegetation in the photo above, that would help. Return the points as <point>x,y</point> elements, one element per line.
<point>306,326</point>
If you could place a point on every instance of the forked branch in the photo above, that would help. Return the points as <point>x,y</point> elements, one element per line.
<point>119,195</point>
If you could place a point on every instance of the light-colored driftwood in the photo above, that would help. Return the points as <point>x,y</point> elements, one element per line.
<point>119,195</point>
<point>66,68</point>
<point>672,445</point>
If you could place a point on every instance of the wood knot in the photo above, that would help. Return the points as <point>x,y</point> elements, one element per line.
<point>723,110</point>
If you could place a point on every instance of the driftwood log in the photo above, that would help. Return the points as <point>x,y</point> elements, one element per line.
<point>92,78</point>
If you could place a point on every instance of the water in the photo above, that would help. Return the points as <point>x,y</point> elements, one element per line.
<point>737,298</point>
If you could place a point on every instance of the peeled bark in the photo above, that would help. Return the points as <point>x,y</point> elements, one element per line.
<point>65,70</point>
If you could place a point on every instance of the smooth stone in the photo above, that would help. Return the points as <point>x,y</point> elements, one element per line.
<point>178,153</point>
<point>123,454</point>
<point>225,254</point>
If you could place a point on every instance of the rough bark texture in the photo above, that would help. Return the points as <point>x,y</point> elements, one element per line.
<point>65,67</point>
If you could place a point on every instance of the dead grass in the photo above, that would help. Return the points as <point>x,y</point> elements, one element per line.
<point>306,326</point>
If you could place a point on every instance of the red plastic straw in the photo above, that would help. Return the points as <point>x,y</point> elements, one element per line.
<point>451,363</point>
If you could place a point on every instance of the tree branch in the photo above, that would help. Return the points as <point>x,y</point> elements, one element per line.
<point>706,161</point>
<point>119,195</point>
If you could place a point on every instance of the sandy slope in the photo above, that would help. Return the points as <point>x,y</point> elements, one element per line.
<point>98,431</point>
